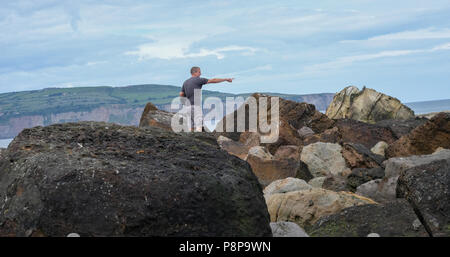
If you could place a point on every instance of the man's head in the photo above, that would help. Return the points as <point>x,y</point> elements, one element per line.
<point>195,71</point>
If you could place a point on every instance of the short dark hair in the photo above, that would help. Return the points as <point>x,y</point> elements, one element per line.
<point>194,69</point>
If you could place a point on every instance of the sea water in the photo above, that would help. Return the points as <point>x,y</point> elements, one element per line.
<point>430,106</point>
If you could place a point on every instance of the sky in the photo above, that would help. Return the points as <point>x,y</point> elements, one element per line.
<point>400,48</point>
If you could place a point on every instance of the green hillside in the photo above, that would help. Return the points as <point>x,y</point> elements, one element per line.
<point>58,100</point>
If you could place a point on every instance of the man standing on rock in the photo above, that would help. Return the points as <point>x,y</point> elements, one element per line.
<point>192,85</point>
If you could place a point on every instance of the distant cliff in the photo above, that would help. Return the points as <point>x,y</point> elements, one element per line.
<point>119,114</point>
<point>122,105</point>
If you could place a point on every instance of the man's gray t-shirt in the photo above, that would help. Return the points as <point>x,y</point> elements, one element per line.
<point>190,84</point>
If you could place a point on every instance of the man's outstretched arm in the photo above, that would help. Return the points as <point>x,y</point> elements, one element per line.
<point>220,80</point>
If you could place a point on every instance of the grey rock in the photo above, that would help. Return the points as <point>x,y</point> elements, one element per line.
<point>324,159</point>
<point>394,166</point>
<point>380,190</point>
<point>373,235</point>
<point>360,176</point>
<point>427,188</point>
<point>287,229</point>
<point>304,132</point>
<point>402,127</point>
<point>416,224</point>
<point>317,182</point>
<point>393,219</point>
<point>126,181</point>
<point>335,183</point>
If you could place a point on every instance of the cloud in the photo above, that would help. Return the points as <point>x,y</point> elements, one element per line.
<point>441,47</point>
<point>93,63</point>
<point>180,48</point>
<point>429,33</point>
<point>348,60</point>
<point>267,67</point>
<point>367,57</point>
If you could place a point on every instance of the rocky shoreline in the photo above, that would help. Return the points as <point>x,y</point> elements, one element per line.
<point>355,175</point>
<point>345,176</point>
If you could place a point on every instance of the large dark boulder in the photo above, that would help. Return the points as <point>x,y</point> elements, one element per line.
<point>393,219</point>
<point>102,179</point>
<point>427,188</point>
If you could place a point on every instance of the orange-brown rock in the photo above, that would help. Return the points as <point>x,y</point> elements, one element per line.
<point>424,139</point>
<point>358,156</point>
<point>269,169</point>
<point>288,152</point>
<point>292,116</point>
<point>287,136</point>
<point>331,135</point>
<point>353,131</point>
